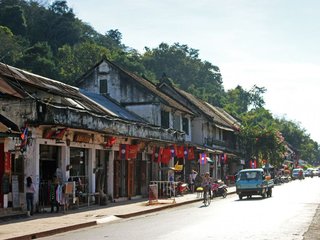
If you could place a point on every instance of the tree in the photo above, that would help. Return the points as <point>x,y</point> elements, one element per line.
<point>238,101</point>
<point>10,49</point>
<point>38,59</point>
<point>182,64</point>
<point>72,62</point>
<point>259,137</point>
<point>13,17</point>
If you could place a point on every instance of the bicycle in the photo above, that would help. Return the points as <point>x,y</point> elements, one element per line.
<point>206,196</point>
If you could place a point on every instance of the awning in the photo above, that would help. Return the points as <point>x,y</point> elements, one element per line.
<point>209,160</point>
<point>224,127</point>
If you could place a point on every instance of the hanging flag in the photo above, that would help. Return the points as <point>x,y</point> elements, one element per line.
<point>110,141</point>
<point>24,138</point>
<point>191,153</point>
<point>185,152</point>
<point>202,158</point>
<point>173,151</point>
<point>166,155</point>
<point>222,159</point>
<point>133,151</point>
<point>123,152</point>
<point>225,158</point>
<point>253,163</point>
<point>180,151</point>
<point>24,134</point>
<point>156,154</point>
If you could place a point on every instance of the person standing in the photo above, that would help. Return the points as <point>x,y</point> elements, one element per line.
<point>29,196</point>
<point>53,195</point>
<point>192,180</point>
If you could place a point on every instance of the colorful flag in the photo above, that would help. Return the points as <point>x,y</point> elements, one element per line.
<point>133,151</point>
<point>166,155</point>
<point>191,153</point>
<point>123,151</point>
<point>202,158</point>
<point>156,154</point>
<point>173,151</point>
<point>185,152</point>
<point>180,151</point>
<point>24,138</point>
<point>253,163</point>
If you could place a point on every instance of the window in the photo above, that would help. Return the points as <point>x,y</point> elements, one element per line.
<point>185,125</point>
<point>177,122</point>
<point>103,87</point>
<point>165,119</point>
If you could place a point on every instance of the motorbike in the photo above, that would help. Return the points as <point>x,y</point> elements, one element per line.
<point>182,188</point>
<point>219,190</point>
<point>175,189</point>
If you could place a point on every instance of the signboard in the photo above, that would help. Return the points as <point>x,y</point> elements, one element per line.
<point>81,137</point>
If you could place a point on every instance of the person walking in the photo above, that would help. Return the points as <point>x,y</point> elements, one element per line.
<point>29,196</point>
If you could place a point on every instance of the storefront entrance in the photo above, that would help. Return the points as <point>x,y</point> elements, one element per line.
<point>101,171</point>
<point>124,178</point>
<point>49,162</point>
<point>79,172</point>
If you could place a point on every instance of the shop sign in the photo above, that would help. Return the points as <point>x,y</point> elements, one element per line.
<point>81,137</point>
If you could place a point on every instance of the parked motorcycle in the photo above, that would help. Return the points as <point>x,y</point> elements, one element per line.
<point>219,189</point>
<point>175,189</point>
<point>182,188</point>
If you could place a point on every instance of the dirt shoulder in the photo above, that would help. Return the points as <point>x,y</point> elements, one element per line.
<point>313,232</point>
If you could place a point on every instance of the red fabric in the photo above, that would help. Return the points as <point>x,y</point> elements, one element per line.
<point>133,151</point>
<point>253,163</point>
<point>180,151</point>
<point>111,141</point>
<point>166,155</point>
<point>202,158</point>
<point>191,153</point>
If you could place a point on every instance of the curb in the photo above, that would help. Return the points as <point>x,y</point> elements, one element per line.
<point>100,221</point>
<point>54,231</point>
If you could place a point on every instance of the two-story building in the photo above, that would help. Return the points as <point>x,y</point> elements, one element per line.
<point>214,131</point>
<point>145,99</point>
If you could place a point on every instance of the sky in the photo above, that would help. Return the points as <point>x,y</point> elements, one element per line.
<point>268,43</point>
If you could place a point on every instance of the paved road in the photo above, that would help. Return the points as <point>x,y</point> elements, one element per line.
<point>287,216</point>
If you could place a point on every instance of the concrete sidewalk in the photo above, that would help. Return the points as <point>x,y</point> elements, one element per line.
<point>46,224</point>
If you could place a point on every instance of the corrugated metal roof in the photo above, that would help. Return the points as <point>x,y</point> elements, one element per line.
<point>41,82</point>
<point>112,106</point>
<point>69,96</point>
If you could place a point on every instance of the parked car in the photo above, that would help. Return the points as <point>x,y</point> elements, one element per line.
<point>316,172</point>
<point>297,172</point>
<point>307,172</point>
